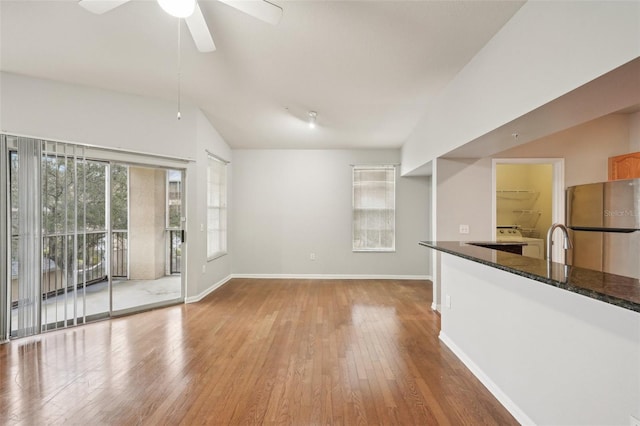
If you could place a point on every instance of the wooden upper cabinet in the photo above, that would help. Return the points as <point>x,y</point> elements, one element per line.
<point>625,166</point>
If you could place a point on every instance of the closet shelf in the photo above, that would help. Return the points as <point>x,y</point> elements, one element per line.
<point>517,194</point>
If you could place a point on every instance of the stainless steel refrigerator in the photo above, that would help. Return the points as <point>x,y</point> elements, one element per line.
<point>604,223</point>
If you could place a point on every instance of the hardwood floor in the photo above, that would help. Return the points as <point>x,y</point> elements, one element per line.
<point>300,352</point>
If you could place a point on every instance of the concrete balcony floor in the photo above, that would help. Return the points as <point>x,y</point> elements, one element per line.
<point>94,300</point>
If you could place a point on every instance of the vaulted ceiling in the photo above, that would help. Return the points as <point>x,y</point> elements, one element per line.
<point>369,68</point>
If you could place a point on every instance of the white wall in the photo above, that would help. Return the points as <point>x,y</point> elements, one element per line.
<point>71,113</point>
<point>552,357</point>
<point>585,148</point>
<point>464,185</point>
<point>545,51</point>
<point>217,270</point>
<point>290,203</point>
<point>634,132</point>
<point>463,197</point>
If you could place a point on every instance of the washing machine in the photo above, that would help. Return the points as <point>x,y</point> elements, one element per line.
<point>534,247</point>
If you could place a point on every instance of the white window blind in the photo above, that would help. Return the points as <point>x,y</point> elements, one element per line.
<point>216,207</point>
<point>374,208</point>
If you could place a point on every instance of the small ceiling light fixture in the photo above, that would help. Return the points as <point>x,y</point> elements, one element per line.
<point>178,8</point>
<point>312,119</point>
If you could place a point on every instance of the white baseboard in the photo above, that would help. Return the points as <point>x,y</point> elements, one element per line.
<point>205,293</point>
<point>333,277</point>
<point>502,397</point>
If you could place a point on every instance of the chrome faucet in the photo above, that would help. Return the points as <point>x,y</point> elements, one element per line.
<point>567,241</point>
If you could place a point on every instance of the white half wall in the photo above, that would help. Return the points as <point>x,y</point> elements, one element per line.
<point>291,203</point>
<point>545,51</point>
<point>550,356</point>
<point>76,114</point>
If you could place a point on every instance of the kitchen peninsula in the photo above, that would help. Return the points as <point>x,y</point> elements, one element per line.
<point>555,344</point>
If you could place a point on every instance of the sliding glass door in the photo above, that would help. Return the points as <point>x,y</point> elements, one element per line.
<point>85,238</point>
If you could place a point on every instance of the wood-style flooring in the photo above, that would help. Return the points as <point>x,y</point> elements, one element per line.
<point>299,352</point>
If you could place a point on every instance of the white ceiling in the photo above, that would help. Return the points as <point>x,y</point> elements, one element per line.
<point>369,68</point>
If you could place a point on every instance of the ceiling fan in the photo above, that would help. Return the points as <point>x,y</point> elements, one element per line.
<point>190,10</point>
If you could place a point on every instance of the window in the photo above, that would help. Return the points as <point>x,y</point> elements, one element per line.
<point>374,208</point>
<point>216,207</point>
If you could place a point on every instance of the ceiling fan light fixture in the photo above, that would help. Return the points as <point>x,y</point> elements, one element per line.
<point>178,8</point>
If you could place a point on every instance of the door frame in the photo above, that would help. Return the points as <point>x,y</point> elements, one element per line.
<point>557,191</point>
<point>5,214</point>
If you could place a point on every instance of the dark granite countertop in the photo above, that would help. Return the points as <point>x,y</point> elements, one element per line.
<point>498,243</point>
<point>609,288</point>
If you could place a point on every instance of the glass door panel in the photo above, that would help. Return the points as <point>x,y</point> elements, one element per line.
<point>147,235</point>
<point>92,268</point>
<point>74,273</point>
<point>174,220</point>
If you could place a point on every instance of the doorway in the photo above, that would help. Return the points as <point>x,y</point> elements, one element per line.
<point>87,238</point>
<point>528,196</point>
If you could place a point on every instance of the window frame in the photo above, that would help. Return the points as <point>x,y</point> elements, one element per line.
<point>356,168</point>
<point>214,161</point>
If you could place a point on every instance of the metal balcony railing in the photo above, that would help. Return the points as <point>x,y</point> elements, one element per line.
<point>175,251</point>
<point>119,254</point>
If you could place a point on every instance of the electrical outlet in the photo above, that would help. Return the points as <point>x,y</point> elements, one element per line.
<point>201,227</point>
<point>447,301</point>
<point>312,256</point>
<point>204,268</point>
<point>634,421</point>
<point>464,229</point>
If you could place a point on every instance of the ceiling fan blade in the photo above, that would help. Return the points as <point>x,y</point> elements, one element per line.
<point>260,9</point>
<point>200,31</point>
<point>101,6</point>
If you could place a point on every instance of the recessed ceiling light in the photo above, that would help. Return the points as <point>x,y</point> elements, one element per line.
<point>312,119</point>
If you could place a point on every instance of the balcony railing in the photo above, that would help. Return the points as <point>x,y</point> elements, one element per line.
<point>175,251</point>
<point>119,254</point>
<point>59,260</point>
